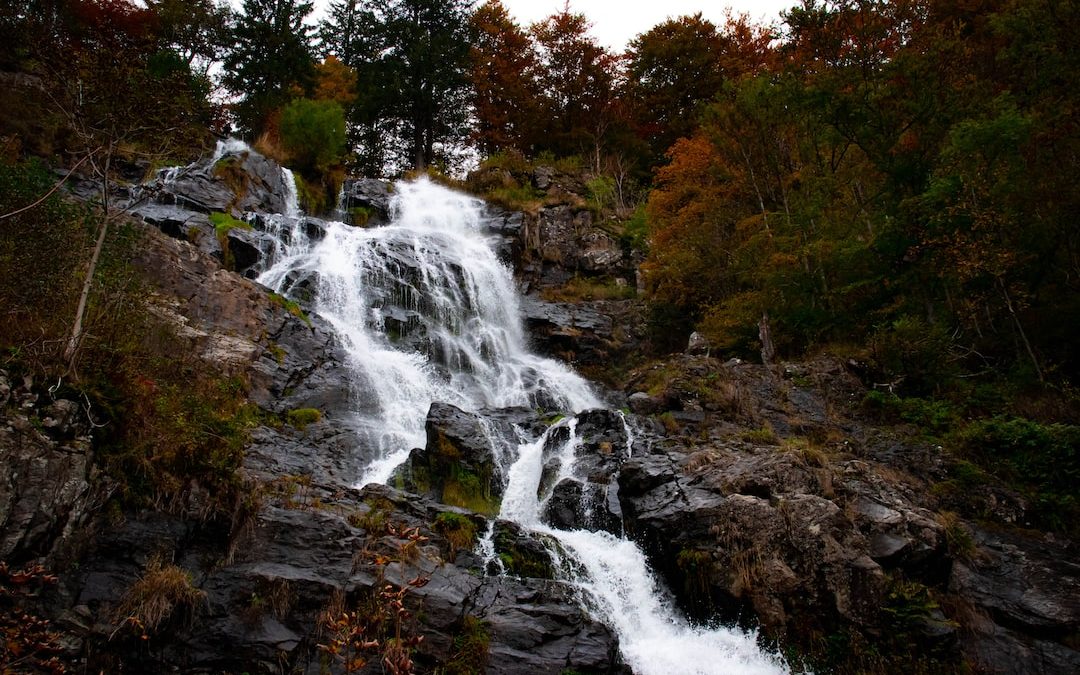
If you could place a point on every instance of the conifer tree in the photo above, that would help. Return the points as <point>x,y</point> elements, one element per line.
<point>271,59</point>
<point>411,59</point>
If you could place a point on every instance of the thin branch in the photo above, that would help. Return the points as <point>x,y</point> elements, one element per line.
<point>54,188</point>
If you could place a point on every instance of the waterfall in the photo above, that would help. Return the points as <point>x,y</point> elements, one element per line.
<point>427,312</point>
<point>292,197</point>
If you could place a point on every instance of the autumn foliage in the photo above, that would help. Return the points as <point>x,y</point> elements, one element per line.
<point>888,165</point>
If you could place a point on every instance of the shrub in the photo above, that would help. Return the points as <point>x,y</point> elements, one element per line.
<point>313,133</point>
<point>601,193</point>
<point>459,530</point>
<point>1042,460</point>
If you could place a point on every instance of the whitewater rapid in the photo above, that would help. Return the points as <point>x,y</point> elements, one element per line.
<point>427,312</point>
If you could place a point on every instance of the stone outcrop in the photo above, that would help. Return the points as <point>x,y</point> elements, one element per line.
<point>765,494</point>
<point>48,489</point>
<point>302,559</point>
<point>457,466</point>
<point>366,201</point>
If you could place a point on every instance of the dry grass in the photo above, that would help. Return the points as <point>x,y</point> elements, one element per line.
<point>701,459</point>
<point>269,145</point>
<point>155,597</point>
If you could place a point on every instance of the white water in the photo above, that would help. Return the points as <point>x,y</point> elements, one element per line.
<point>428,313</point>
<point>618,587</point>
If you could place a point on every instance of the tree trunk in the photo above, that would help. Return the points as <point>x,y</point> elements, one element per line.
<point>768,349</point>
<point>72,348</point>
<point>1020,329</point>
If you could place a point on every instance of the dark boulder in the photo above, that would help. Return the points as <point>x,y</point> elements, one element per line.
<point>366,201</point>
<point>46,471</point>
<point>457,466</point>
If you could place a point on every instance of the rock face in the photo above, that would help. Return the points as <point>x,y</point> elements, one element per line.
<point>293,567</point>
<point>366,201</point>
<point>239,180</point>
<point>457,465</point>
<point>765,496</point>
<point>46,471</point>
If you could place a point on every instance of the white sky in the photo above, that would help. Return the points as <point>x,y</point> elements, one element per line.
<point>616,22</point>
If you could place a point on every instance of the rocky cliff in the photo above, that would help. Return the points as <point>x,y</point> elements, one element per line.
<point>761,495</point>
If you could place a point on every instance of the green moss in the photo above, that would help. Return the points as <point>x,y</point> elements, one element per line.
<point>290,306</point>
<point>360,215</point>
<point>464,489</point>
<point>223,223</point>
<point>522,561</point>
<point>302,417</point>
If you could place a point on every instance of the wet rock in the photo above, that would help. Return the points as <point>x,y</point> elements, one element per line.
<point>367,201</point>
<point>457,466</point>
<point>577,505</point>
<point>272,584</point>
<point>46,473</point>
<point>241,180</point>
<point>508,230</point>
<point>520,553</point>
<point>246,249</point>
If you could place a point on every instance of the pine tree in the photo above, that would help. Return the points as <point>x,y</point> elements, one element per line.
<point>271,59</point>
<point>411,58</point>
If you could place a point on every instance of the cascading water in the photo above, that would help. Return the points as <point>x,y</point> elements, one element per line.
<point>428,313</point>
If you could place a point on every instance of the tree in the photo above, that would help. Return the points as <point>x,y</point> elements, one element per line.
<point>412,66</point>
<point>197,31</point>
<point>504,81</point>
<point>335,81</point>
<point>271,59</point>
<point>578,84</point>
<point>313,133</point>
<point>673,68</point>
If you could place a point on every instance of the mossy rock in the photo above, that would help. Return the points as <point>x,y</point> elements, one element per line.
<point>522,553</point>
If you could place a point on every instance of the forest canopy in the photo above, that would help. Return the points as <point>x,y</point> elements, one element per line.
<point>898,175</point>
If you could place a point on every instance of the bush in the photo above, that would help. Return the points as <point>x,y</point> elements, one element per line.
<point>313,133</point>
<point>913,351</point>
<point>1042,460</point>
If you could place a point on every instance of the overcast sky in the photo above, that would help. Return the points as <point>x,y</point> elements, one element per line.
<point>616,22</point>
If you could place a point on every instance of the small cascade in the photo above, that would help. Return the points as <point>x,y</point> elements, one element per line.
<point>292,197</point>
<point>617,585</point>
<point>427,313</point>
<point>228,146</point>
<point>341,207</point>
